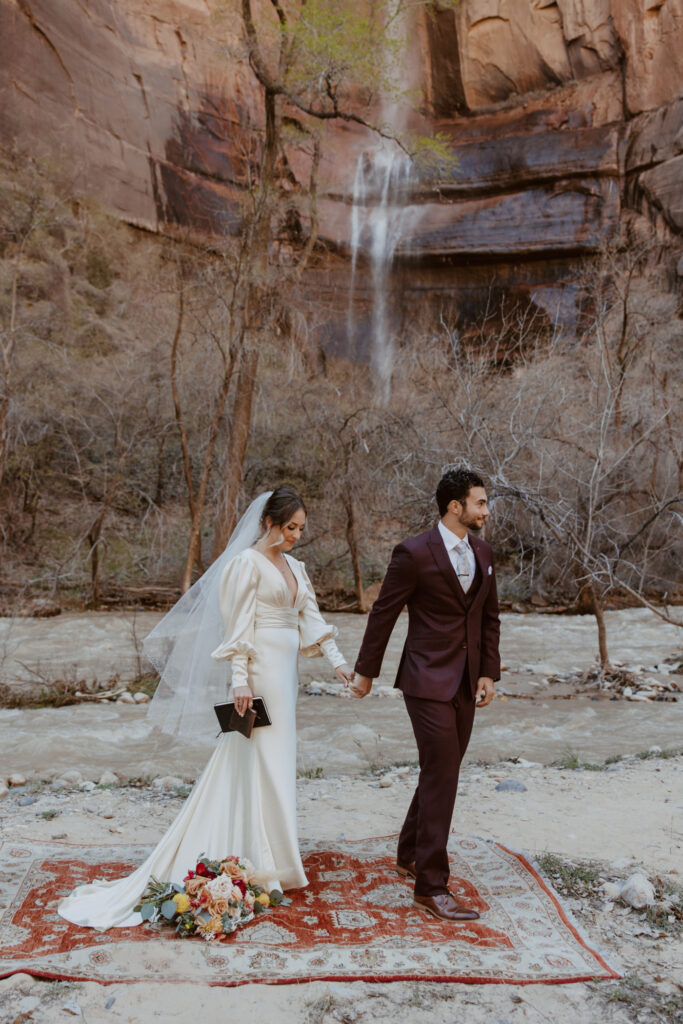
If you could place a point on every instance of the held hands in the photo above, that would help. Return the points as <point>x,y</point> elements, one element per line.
<point>344,673</point>
<point>359,686</point>
<point>485,691</point>
<point>243,698</point>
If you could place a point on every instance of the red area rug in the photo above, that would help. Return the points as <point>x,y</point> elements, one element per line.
<point>354,921</point>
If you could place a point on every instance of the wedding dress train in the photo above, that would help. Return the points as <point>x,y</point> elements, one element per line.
<point>244,802</point>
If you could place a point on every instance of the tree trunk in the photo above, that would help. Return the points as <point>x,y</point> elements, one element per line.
<point>352,541</point>
<point>602,631</point>
<point>194,553</point>
<point>6,387</point>
<point>94,536</point>
<point>237,450</point>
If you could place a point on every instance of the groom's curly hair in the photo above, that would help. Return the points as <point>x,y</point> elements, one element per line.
<point>455,485</point>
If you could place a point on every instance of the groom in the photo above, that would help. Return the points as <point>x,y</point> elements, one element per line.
<point>447,668</point>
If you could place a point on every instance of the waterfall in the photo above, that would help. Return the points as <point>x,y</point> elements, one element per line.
<point>380,217</point>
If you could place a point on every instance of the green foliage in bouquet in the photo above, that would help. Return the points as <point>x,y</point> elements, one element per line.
<point>214,899</point>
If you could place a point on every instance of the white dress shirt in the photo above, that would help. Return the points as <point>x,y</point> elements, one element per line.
<point>461,555</point>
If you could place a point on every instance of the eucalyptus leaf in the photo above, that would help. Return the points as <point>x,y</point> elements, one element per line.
<point>169,908</point>
<point>147,911</point>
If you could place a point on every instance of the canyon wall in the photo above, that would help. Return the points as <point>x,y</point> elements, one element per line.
<point>566,118</point>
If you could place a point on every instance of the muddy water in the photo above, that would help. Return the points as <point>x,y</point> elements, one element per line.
<point>336,734</point>
<point>105,644</point>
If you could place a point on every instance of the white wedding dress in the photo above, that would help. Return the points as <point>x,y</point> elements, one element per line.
<point>244,803</point>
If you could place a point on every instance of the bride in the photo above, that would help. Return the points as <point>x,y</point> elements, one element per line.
<point>259,601</point>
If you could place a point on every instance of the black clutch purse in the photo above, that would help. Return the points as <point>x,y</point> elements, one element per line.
<point>230,721</point>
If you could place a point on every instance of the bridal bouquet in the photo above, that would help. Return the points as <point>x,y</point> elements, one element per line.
<point>214,899</point>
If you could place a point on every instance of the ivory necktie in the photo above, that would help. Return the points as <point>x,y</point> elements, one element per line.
<point>462,563</point>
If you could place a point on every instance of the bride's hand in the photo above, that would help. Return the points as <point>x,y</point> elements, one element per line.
<point>345,673</point>
<point>243,698</point>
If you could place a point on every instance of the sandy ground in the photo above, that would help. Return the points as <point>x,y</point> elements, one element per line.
<point>623,817</point>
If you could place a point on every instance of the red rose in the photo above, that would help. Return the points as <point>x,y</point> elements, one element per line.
<point>203,871</point>
<point>188,876</point>
<point>239,884</point>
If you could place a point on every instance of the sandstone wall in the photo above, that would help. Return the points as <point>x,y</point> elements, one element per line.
<point>566,117</point>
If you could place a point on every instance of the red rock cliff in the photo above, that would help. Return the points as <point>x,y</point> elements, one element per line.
<point>566,117</point>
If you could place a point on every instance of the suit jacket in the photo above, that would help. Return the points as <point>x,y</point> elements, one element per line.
<point>448,630</point>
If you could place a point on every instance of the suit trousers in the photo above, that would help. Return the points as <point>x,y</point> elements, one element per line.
<point>442,730</point>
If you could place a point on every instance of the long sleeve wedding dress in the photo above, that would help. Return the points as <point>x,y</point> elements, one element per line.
<point>244,803</point>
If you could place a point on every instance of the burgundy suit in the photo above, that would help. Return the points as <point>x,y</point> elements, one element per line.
<point>452,640</point>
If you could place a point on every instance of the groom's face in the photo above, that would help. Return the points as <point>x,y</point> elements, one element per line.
<point>474,511</point>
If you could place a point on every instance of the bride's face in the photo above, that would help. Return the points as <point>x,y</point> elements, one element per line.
<point>290,532</point>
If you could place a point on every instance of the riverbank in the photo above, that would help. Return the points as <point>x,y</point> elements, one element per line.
<point>595,793</point>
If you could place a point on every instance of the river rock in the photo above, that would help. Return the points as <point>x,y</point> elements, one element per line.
<point>386,691</point>
<point>86,786</point>
<point>637,891</point>
<point>385,782</point>
<point>72,777</point>
<point>141,698</point>
<point>654,750</point>
<point>168,783</point>
<point>511,786</point>
<point>126,698</point>
<point>26,801</point>
<point>3,790</point>
<point>16,779</point>
<point>21,982</point>
<point>108,779</point>
<point>612,890</point>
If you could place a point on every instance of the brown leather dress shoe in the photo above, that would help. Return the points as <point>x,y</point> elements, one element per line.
<point>445,907</point>
<point>406,870</point>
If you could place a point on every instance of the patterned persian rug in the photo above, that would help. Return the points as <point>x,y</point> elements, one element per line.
<point>354,921</point>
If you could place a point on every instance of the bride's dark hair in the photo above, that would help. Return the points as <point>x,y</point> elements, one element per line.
<point>281,506</point>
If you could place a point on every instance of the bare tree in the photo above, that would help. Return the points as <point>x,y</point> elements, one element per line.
<point>567,432</point>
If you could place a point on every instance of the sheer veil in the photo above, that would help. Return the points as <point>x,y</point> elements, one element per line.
<point>180,645</point>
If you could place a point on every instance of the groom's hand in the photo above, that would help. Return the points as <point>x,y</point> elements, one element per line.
<point>485,691</point>
<point>361,686</point>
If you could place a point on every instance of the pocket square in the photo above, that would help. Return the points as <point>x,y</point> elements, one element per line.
<point>490,570</point>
